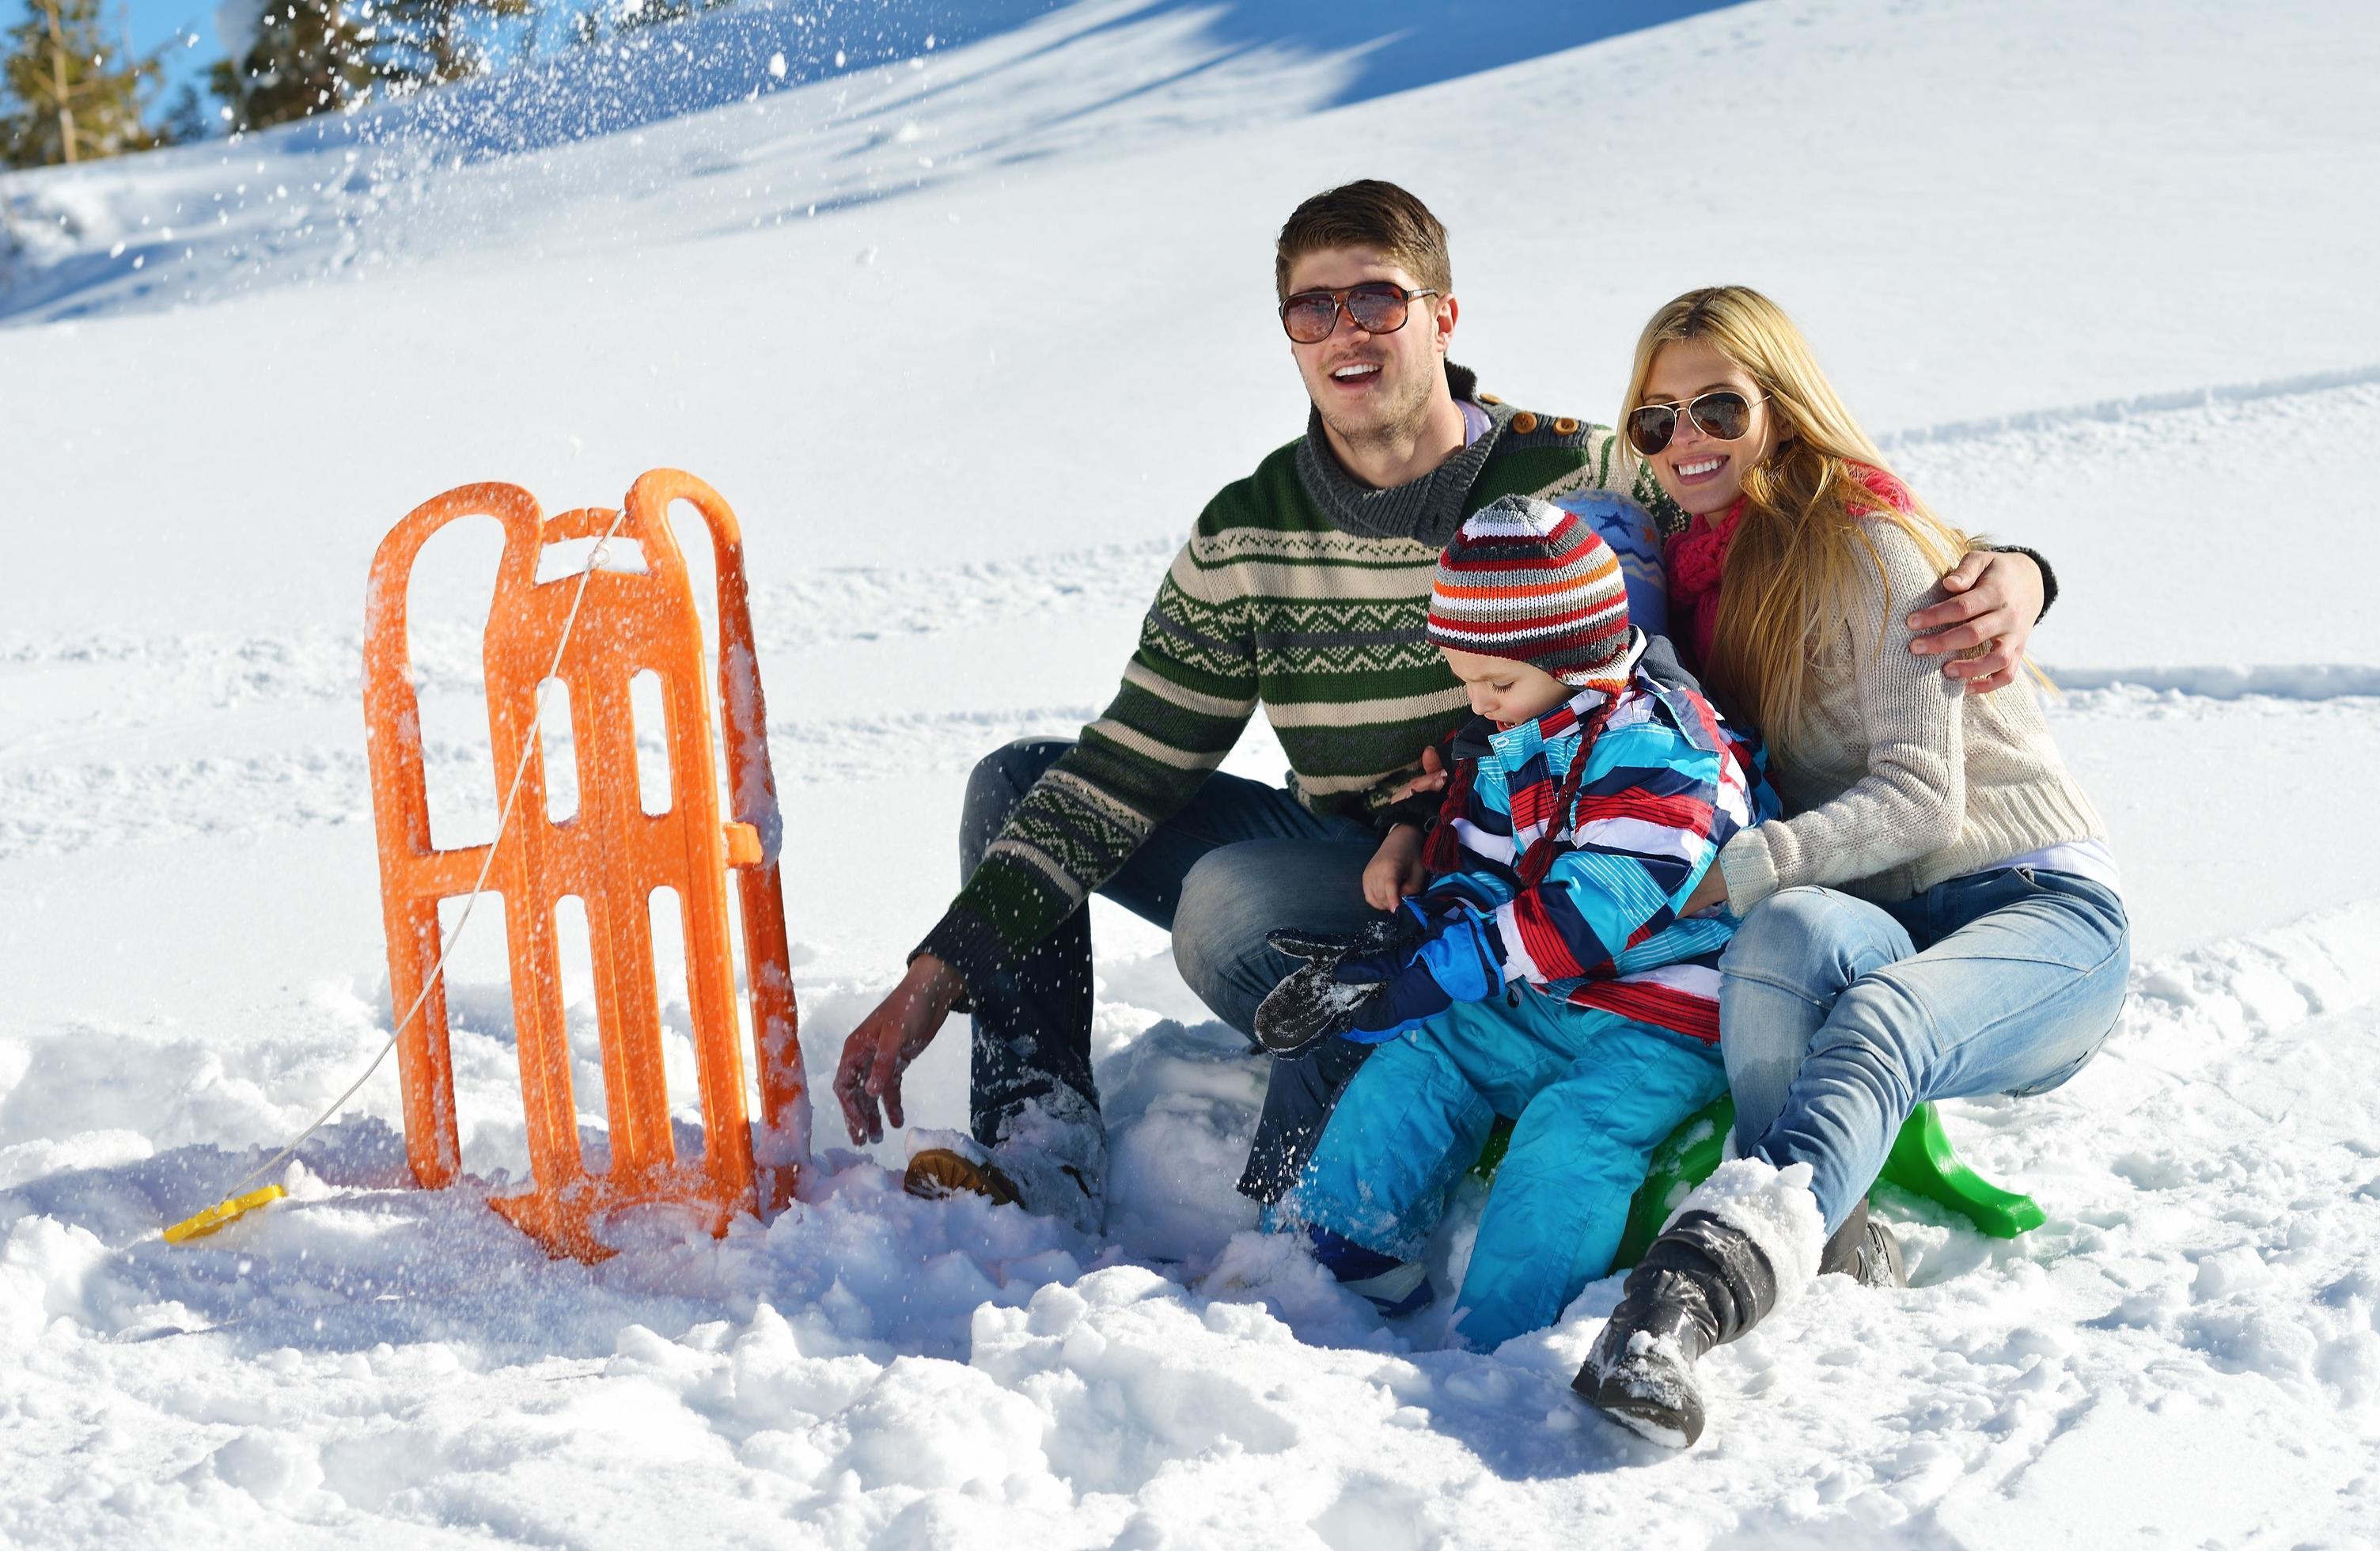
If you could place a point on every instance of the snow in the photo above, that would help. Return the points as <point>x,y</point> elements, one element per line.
<point>2098,275</point>
<point>1774,1208</point>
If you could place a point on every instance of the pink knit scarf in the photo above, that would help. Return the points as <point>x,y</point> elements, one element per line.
<point>1697,560</point>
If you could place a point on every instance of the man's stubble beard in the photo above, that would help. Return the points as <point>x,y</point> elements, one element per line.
<point>1399,427</point>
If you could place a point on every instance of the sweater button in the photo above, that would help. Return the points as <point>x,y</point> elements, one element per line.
<point>1489,398</point>
<point>1525,422</point>
<point>1566,426</point>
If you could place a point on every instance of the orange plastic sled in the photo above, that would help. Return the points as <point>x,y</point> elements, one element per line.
<point>610,854</point>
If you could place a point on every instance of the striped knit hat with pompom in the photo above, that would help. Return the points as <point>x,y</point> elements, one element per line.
<point>1529,581</point>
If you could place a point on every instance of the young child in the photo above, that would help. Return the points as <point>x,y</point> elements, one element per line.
<point>1544,972</point>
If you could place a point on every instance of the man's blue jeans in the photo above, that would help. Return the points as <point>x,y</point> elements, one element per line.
<point>1839,1017</point>
<point>1239,860</point>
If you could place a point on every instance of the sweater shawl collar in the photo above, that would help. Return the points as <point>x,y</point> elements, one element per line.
<point>1428,509</point>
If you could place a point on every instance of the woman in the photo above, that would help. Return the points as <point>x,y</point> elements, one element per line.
<point>1939,918</point>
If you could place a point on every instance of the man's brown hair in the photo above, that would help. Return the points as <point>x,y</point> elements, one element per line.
<point>1366,214</point>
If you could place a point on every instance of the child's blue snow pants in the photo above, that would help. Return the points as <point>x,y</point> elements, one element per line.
<point>1593,1095</point>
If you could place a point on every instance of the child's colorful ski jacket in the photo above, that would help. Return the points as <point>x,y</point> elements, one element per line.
<point>1667,783</point>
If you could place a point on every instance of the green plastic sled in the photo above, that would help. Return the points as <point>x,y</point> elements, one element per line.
<point>1922,1162</point>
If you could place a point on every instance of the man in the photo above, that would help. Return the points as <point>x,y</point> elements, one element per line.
<point>1302,587</point>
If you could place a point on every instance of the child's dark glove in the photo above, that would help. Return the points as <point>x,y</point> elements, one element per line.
<point>1375,986</point>
<point>1312,1002</point>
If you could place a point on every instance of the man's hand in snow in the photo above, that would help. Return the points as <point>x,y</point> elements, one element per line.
<point>1994,599</point>
<point>887,1040</point>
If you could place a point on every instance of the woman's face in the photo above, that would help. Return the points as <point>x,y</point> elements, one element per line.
<point>1702,473</point>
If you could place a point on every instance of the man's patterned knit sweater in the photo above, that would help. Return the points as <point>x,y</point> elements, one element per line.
<point>1300,589</point>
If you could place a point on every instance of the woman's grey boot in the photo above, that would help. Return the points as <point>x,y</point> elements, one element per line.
<point>1748,1238</point>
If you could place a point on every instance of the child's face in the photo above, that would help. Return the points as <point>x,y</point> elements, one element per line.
<point>1503,690</point>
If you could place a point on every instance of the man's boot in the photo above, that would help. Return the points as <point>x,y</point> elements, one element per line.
<point>1052,1159</point>
<point>1747,1237</point>
<point>1866,1251</point>
<point>938,1173</point>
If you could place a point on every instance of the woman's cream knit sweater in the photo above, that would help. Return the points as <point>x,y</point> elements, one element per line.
<point>1899,780</point>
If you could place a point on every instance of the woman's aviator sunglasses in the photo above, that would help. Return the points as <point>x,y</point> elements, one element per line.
<point>1375,306</point>
<point>1724,414</point>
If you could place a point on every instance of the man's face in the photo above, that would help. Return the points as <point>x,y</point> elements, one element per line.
<point>1371,387</point>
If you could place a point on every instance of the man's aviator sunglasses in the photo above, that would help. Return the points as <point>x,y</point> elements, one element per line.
<point>1375,306</point>
<point>1724,414</point>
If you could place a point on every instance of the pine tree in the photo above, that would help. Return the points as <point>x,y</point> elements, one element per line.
<point>79,95</point>
<point>308,56</point>
<point>602,20</point>
<point>426,42</point>
<point>185,117</point>
<point>634,16</point>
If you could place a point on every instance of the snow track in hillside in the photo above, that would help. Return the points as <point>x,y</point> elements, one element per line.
<point>59,808</point>
<point>2115,410</point>
<point>2284,681</point>
<point>53,802</point>
<point>845,604</point>
<point>2176,539</point>
<point>2163,477</point>
<point>2097,446</point>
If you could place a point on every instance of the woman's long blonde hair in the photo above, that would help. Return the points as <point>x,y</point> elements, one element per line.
<point>1791,564</point>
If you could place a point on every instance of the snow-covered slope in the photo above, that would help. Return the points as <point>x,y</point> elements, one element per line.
<point>2098,271</point>
<point>740,118</point>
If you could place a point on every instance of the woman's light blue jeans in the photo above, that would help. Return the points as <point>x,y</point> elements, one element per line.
<point>1839,1017</point>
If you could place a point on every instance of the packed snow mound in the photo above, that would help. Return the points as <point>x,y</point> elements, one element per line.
<point>2198,1314</point>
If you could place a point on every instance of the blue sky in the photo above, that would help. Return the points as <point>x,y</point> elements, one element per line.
<point>156,22</point>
